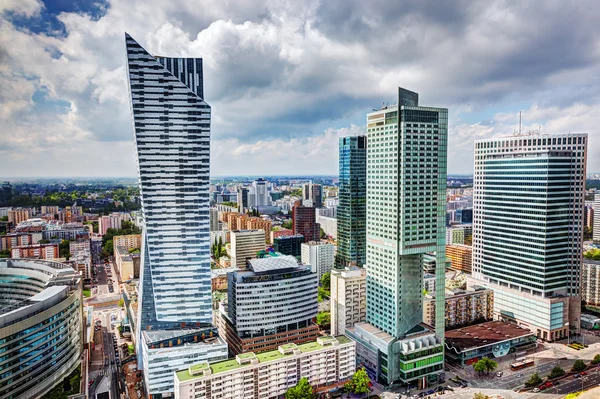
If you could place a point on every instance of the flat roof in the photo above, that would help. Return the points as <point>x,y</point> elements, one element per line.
<point>484,334</point>
<point>264,357</point>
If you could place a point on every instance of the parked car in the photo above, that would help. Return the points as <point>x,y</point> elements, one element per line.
<point>499,374</point>
<point>535,390</point>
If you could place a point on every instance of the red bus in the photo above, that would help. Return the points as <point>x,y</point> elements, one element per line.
<point>522,364</point>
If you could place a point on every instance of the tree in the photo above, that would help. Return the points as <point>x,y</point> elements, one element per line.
<point>288,224</point>
<point>326,281</point>
<point>557,371</point>
<point>323,234</point>
<point>121,303</point>
<point>5,253</point>
<point>64,249</point>
<point>596,359</point>
<point>479,395</point>
<point>579,365</point>
<point>322,293</point>
<point>479,367</point>
<point>533,380</point>
<point>359,384</point>
<point>4,218</point>
<point>485,365</point>
<point>302,390</point>
<point>323,319</point>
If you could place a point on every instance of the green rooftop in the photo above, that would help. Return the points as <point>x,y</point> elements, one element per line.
<point>264,357</point>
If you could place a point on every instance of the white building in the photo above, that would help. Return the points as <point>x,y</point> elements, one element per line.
<point>319,255</point>
<point>590,282</point>
<point>325,362</point>
<point>328,224</point>
<point>597,218</point>
<point>244,245</point>
<point>348,298</point>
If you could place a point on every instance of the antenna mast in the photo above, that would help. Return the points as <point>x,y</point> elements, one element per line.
<point>519,122</point>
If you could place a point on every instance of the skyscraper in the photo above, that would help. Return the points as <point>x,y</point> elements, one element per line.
<point>351,211</point>
<point>528,203</point>
<point>313,192</point>
<point>406,205</point>
<point>304,222</point>
<point>172,141</point>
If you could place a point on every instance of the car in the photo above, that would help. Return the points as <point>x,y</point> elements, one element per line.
<point>556,383</point>
<point>576,375</point>
<point>535,390</point>
<point>499,374</point>
<point>414,397</point>
<point>90,383</point>
<point>431,392</point>
<point>449,388</point>
<point>583,373</point>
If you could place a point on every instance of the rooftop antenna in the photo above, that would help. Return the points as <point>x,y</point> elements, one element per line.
<point>519,123</point>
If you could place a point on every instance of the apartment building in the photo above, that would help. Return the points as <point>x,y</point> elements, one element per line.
<point>128,265</point>
<point>36,251</point>
<point>324,362</point>
<point>256,223</point>
<point>462,307</point>
<point>461,257</point>
<point>16,216</point>
<point>130,241</point>
<point>590,282</point>
<point>9,241</point>
<point>244,245</point>
<point>319,255</point>
<point>348,298</point>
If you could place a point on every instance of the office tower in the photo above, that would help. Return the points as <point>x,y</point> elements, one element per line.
<point>590,282</point>
<point>304,222</point>
<point>588,216</point>
<point>270,304</point>
<point>528,228</point>
<point>319,255</point>
<point>406,204</point>
<point>244,245</point>
<point>352,208</point>
<point>259,194</point>
<point>172,141</point>
<point>242,198</point>
<point>348,298</point>
<point>461,257</point>
<point>325,361</point>
<point>313,192</point>
<point>289,245</point>
<point>464,215</point>
<point>596,229</point>
<point>42,333</point>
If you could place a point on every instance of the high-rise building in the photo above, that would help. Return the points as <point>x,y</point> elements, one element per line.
<point>406,205</point>
<point>244,245</point>
<point>319,255</point>
<point>270,304</point>
<point>289,245</point>
<point>242,198</point>
<point>214,219</point>
<point>596,229</point>
<point>314,193</point>
<point>352,208</point>
<point>348,298</point>
<point>259,194</point>
<point>304,222</point>
<point>172,141</point>
<point>528,228</point>
<point>590,282</point>
<point>325,362</point>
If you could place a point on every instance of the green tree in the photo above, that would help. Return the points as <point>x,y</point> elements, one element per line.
<point>533,380</point>
<point>288,224</point>
<point>322,293</point>
<point>490,365</point>
<point>557,371</point>
<point>479,367</point>
<point>302,390</point>
<point>4,253</point>
<point>579,365</point>
<point>359,384</point>
<point>323,319</point>
<point>326,281</point>
<point>3,218</point>
<point>596,359</point>
<point>64,250</point>
<point>479,395</point>
<point>121,303</point>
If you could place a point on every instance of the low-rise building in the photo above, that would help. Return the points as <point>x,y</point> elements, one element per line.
<point>128,264</point>
<point>590,322</point>
<point>493,339</point>
<point>280,232</point>
<point>590,282</point>
<point>325,362</point>
<point>80,245</point>
<point>348,298</point>
<point>131,241</point>
<point>463,307</point>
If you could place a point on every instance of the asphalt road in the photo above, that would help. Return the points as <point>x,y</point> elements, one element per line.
<point>570,385</point>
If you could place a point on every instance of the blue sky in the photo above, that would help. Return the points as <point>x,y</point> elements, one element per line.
<point>286,79</point>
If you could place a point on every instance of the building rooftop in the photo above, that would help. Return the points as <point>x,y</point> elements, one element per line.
<point>483,334</point>
<point>271,264</point>
<point>264,357</point>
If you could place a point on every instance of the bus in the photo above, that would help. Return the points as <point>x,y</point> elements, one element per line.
<point>522,364</point>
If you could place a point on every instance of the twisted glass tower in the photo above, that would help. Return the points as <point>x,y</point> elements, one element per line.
<point>171,124</point>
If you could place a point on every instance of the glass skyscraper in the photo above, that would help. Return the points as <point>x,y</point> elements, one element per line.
<point>351,211</point>
<point>171,124</point>
<point>406,210</point>
<point>529,193</point>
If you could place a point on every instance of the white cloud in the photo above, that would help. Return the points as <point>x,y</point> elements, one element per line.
<point>27,8</point>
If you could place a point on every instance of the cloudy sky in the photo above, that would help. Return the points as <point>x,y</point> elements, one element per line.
<point>286,79</point>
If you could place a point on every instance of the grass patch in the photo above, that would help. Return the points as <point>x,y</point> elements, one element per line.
<point>87,292</point>
<point>130,349</point>
<point>68,386</point>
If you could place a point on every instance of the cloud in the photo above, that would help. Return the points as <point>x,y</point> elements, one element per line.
<point>281,75</point>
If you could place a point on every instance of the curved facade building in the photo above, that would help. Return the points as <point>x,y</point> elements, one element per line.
<point>40,326</point>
